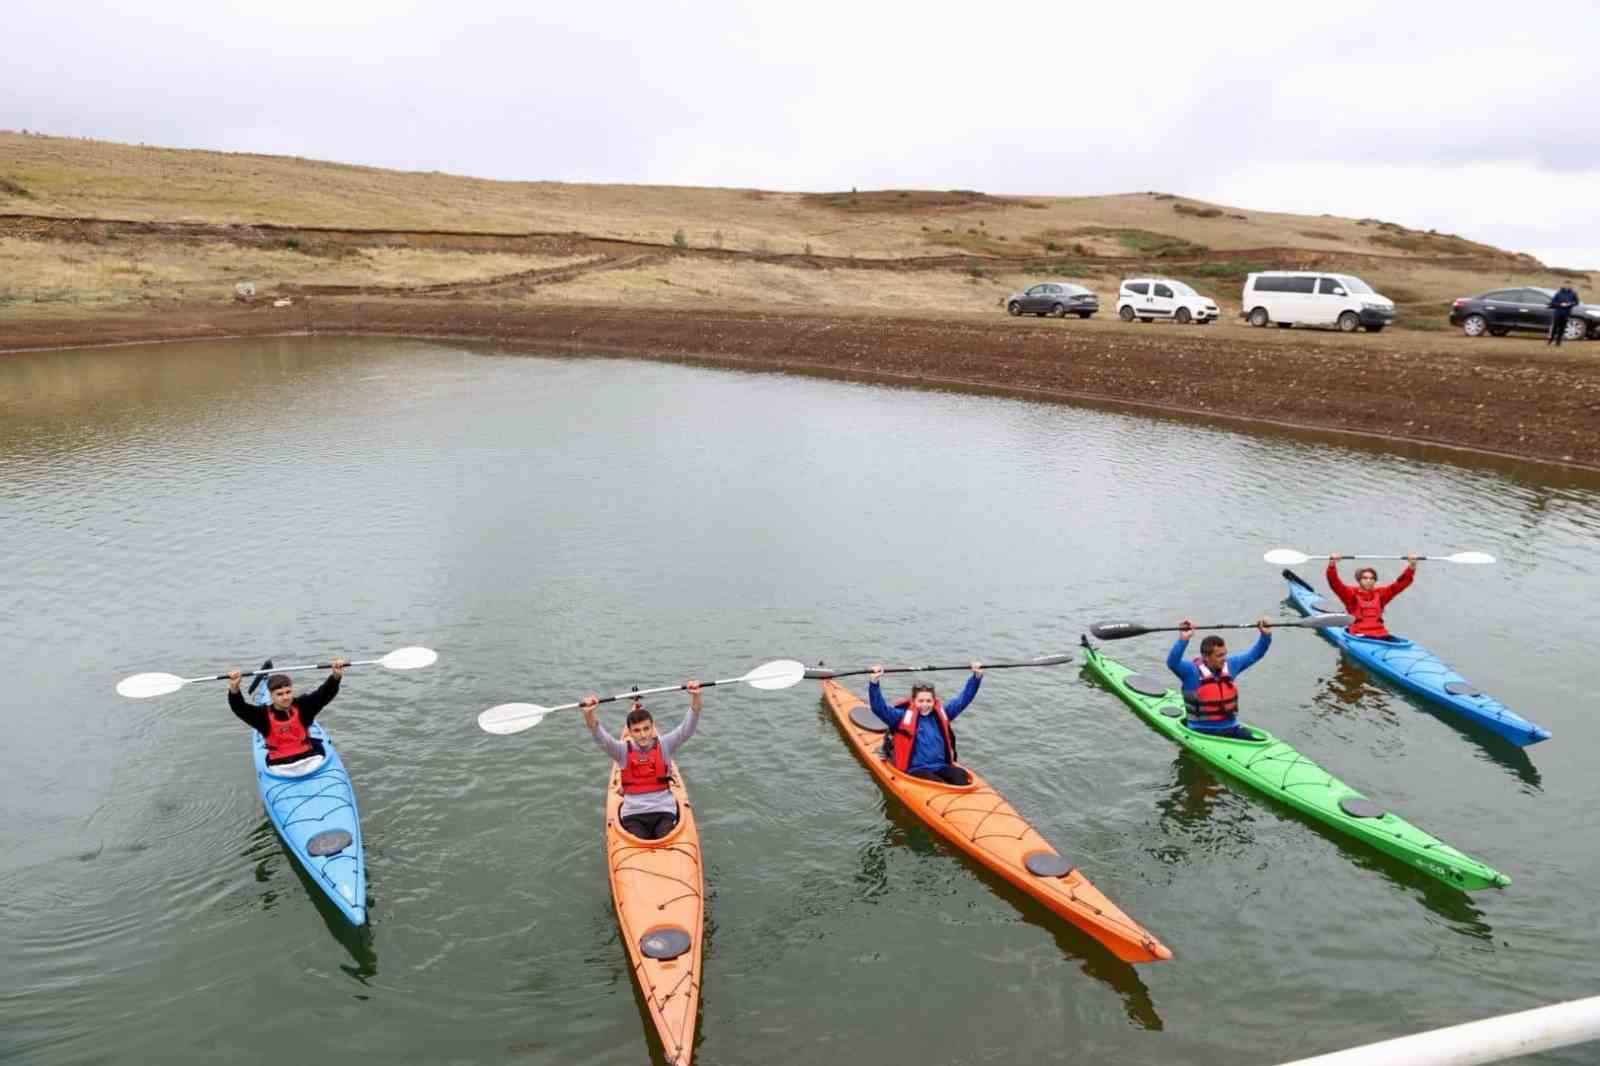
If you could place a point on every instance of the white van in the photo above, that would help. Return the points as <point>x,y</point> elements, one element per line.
<point>1314,298</point>
<point>1148,299</point>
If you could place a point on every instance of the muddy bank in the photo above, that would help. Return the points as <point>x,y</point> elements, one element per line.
<point>1522,401</point>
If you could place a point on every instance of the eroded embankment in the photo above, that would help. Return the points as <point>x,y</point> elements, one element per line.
<point>1535,405</point>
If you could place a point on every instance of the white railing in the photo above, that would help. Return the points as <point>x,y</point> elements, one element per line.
<point>1491,1040</point>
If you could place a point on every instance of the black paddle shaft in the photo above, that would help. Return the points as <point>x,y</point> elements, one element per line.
<point>1120,630</point>
<point>821,673</point>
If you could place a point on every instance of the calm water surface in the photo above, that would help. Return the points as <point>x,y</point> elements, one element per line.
<point>553,526</point>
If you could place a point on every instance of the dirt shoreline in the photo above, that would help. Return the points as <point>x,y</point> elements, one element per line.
<point>1538,404</point>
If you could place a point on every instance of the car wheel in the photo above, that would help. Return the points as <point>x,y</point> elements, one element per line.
<point>1498,331</point>
<point>1183,316</point>
<point>1577,329</point>
<point>1014,308</point>
<point>1349,322</point>
<point>1258,317</point>
<point>1057,311</point>
<point>1126,314</point>
<point>1474,325</point>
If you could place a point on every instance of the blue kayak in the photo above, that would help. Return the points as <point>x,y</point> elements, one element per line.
<point>1416,670</point>
<point>316,816</point>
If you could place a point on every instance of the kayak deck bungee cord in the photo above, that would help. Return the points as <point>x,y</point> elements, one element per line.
<point>1418,672</point>
<point>1278,770</point>
<point>978,820</point>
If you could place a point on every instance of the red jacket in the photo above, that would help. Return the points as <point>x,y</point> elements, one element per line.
<point>1368,607</point>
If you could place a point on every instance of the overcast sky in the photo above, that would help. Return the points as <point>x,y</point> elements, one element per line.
<point>1472,118</point>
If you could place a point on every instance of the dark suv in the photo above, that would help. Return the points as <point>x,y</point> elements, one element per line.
<point>1503,310</point>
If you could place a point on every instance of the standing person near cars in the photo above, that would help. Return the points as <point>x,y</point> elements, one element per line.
<point>1561,305</point>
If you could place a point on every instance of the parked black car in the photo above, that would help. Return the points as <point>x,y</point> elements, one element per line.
<point>1056,298</point>
<point>1503,310</point>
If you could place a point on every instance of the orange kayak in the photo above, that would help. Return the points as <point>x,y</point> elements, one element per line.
<point>660,900</point>
<point>978,820</point>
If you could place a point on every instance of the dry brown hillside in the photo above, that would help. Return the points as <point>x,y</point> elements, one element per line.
<point>265,219</point>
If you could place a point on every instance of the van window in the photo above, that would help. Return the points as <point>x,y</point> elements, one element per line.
<point>1141,288</point>
<point>1327,286</point>
<point>1162,290</point>
<point>1272,283</point>
<point>1302,285</point>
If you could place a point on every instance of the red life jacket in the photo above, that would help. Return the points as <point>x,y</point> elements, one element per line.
<point>1368,610</point>
<point>1216,698</point>
<point>904,737</point>
<point>645,771</point>
<point>287,738</point>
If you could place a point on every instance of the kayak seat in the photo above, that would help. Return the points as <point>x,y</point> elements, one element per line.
<point>1462,688</point>
<point>861,717</point>
<point>302,768</point>
<point>1046,864</point>
<point>1173,710</point>
<point>664,942</point>
<point>1361,807</point>
<point>1145,686</point>
<point>329,842</point>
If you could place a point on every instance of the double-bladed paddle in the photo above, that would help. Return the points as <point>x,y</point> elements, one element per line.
<point>1119,630</point>
<point>506,718</point>
<point>143,686</point>
<point>1290,557</point>
<point>822,673</point>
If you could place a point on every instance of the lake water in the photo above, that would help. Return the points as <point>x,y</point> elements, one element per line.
<point>559,525</point>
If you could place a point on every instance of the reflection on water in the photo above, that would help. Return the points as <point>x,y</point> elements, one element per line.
<point>1353,693</point>
<point>269,856</point>
<point>903,830</point>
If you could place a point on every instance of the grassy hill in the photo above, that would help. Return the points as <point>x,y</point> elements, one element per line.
<point>689,246</point>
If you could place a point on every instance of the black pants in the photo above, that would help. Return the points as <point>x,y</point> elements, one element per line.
<point>650,826</point>
<point>1558,328</point>
<point>950,775</point>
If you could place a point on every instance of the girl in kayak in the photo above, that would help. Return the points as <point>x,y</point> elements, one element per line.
<point>649,810</point>
<point>1209,690</point>
<point>285,723</point>
<point>920,741</point>
<point>1368,599</point>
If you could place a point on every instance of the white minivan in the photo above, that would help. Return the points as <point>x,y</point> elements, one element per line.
<point>1314,298</point>
<point>1148,299</point>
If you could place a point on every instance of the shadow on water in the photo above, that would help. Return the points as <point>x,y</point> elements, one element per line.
<point>266,850</point>
<point>904,830</point>
<point>1190,810</point>
<point>1350,688</point>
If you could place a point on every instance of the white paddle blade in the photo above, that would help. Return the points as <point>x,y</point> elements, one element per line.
<point>780,673</point>
<point>1285,557</point>
<point>507,718</point>
<point>409,658</point>
<point>1470,558</point>
<point>143,686</point>
<point>1323,621</point>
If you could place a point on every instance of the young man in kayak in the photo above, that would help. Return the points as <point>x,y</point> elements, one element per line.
<point>1368,599</point>
<point>920,741</point>
<point>1209,690</point>
<point>649,809</point>
<point>285,723</point>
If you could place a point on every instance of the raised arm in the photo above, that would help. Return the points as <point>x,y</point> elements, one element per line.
<point>886,714</point>
<point>961,702</point>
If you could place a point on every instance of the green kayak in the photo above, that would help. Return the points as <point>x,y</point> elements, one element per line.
<point>1273,767</point>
